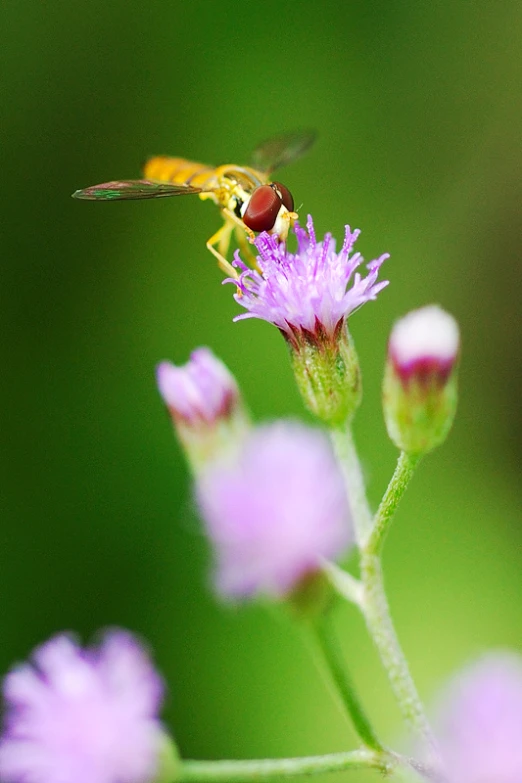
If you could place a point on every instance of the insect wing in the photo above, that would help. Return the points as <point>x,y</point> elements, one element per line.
<point>133,189</point>
<point>281,150</point>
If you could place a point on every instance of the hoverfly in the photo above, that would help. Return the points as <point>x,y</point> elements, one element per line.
<point>248,200</point>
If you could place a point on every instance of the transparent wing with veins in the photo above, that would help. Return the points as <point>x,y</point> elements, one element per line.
<point>133,189</point>
<point>281,150</point>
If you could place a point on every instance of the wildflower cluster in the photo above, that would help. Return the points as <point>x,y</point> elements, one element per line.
<point>281,504</point>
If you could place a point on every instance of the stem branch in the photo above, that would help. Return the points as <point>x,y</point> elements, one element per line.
<point>344,583</point>
<point>403,473</point>
<point>274,769</point>
<point>370,537</point>
<point>334,659</point>
<point>344,447</point>
<point>378,620</point>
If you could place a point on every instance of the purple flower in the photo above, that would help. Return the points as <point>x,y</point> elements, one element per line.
<point>306,293</point>
<point>480,722</point>
<point>205,406</point>
<point>275,512</point>
<point>78,715</point>
<point>201,391</point>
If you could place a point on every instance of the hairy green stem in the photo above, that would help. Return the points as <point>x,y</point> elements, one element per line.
<point>370,537</point>
<point>334,659</point>
<point>343,583</point>
<point>404,471</point>
<point>376,610</point>
<point>378,620</point>
<point>275,769</point>
<point>344,447</point>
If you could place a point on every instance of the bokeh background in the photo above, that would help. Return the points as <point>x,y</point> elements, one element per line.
<point>418,106</point>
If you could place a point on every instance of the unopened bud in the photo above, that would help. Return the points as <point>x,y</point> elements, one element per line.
<point>205,405</point>
<point>420,382</point>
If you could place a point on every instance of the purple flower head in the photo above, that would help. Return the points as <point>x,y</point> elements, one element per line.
<point>309,292</point>
<point>205,405</point>
<point>276,512</point>
<point>201,391</point>
<point>480,722</point>
<point>78,715</point>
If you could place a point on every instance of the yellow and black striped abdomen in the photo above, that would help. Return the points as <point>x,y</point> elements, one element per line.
<point>180,172</point>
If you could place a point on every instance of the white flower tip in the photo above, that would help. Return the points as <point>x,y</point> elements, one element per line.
<point>427,333</point>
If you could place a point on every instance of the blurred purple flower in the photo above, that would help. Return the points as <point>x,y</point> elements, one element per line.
<point>201,391</point>
<point>205,405</point>
<point>480,722</point>
<point>78,715</point>
<point>275,512</point>
<point>306,293</point>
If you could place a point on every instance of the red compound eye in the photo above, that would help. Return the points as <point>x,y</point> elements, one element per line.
<point>262,209</point>
<point>285,195</point>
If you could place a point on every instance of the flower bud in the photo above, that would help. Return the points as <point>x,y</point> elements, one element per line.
<point>420,382</point>
<point>205,406</point>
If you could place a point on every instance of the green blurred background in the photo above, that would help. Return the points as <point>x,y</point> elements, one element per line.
<point>419,111</point>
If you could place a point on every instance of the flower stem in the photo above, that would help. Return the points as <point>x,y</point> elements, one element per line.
<point>378,620</point>
<point>344,583</point>
<point>275,769</point>
<point>374,605</point>
<point>334,659</point>
<point>404,471</point>
<point>344,446</point>
<point>376,610</point>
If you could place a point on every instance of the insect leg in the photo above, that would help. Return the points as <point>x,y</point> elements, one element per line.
<point>224,242</point>
<point>222,239</point>
<point>244,246</point>
<point>243,233</point>
<point>239,223</point>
